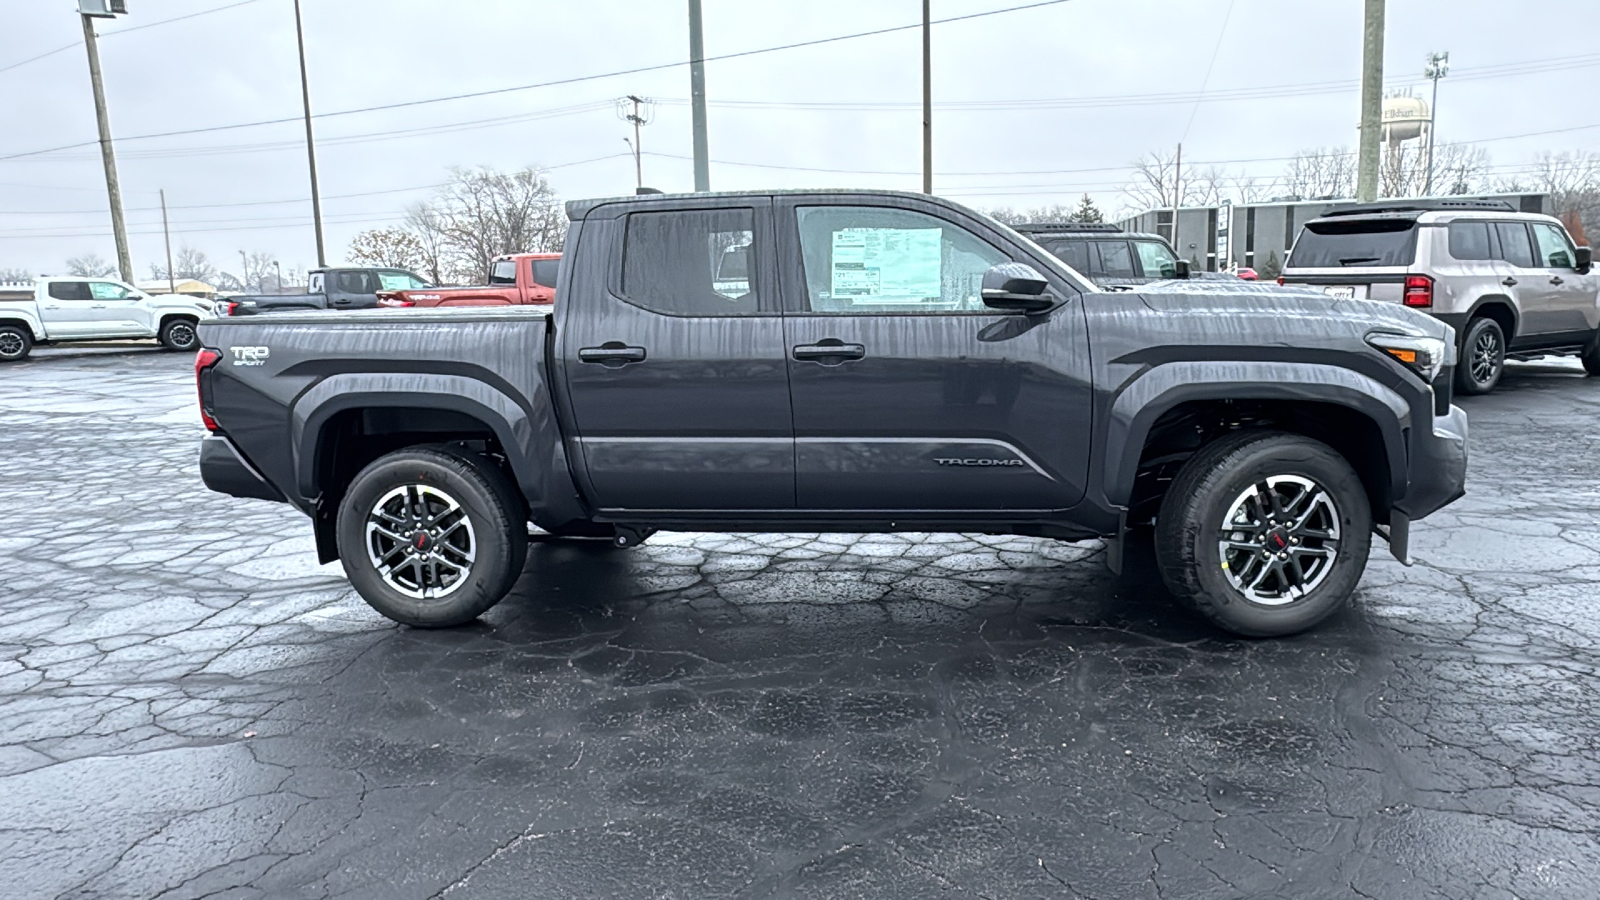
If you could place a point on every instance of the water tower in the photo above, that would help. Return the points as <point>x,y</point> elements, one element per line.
<point>1406,118</point>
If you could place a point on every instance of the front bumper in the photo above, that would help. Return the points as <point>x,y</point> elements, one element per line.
<point>226,472</point>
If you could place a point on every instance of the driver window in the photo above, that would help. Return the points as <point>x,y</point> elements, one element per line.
<point>1555,251</point>
<point>105,290</point>
<point>1156,260</point>
<point>875,260</point>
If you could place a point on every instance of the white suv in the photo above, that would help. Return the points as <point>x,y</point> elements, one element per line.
<point>1512,284</point>
<point>92,309</point>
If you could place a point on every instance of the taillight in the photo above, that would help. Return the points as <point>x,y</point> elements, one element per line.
<point>1419,291</point>
<point>204,360</point>
<point>228,310</point>
<point>1280,281</point>
<point>395,302</point>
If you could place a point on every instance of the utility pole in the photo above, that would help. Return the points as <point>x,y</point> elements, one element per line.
<point>1177,195</point>
<point>119,228</point>
<point>1438,67</point>
<point>279,269</point>
<point>697,99</point>
<point>172,281</point>
<point>927,99</point>
<point>1371,102</point>
<point>311,146</point>
<point>639,113</point>
<point>244,271</point>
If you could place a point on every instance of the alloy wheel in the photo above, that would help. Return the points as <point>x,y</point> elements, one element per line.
<point>420,540</point>
<point>1485,356</point>
<point>182,335</point>
<point>10,345</point>
<point>1279,539</point>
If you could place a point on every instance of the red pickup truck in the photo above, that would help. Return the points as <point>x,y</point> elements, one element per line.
<point>520,279</point>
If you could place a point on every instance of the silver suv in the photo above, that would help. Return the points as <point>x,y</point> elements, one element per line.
<point>1512,284</point>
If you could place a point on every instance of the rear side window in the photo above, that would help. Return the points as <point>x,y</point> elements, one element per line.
<point>1469,240</point>
<point>1116,260</point>
<point>1073,253</point>
<point>357,283</point>
<point>544,272</point>
<point>669,259</point>
<point>1515,248</point>
<point>69,290</point>
<point>1347,243</point>
<point>1555,251</point>
<point>503,272</point>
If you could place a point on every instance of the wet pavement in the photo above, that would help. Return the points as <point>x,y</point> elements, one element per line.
<point>191,707</point>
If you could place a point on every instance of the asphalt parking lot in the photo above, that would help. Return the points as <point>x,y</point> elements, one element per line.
<point>191,707</point>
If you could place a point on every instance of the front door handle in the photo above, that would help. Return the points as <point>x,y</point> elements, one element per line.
<point>611,354</point>
<point>829,352</point>
<point>1509,282</point>
<point>1556,280</point>
<point>97,306</point>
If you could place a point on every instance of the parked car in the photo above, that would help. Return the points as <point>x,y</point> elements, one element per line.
<point>520,279</point>
<point>348,287</point>
<point>68,308</point>
<point>893,362</point>
<point>1512,284</point>
<point>1245,273</point>
<point>1105,254</point>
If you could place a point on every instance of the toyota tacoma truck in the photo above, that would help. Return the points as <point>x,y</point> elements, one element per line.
<point>515,280</point>
<point>69,308</point>
<point>889,362</point>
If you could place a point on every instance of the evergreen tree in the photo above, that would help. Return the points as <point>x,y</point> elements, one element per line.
<point>1087,211</point>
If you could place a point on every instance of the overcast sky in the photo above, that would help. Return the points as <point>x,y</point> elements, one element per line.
<point>1032,107</point>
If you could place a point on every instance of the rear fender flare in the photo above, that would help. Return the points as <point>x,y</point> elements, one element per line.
<point>1494,300</point>
<point>533,448</point>
<point>23,319</point>
<point>1138,406</point>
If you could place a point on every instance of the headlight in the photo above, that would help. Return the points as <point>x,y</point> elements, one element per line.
<point>1422,355</point>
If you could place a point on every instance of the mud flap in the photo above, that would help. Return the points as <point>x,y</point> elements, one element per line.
<point>1116,543</point>
<point>324,524</point>
<point>1398,534</point>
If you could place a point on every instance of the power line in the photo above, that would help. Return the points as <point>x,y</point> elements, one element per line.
<point>558,82</point>
<point>66,47</point>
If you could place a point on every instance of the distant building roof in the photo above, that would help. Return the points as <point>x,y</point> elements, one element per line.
<point>183,285</point>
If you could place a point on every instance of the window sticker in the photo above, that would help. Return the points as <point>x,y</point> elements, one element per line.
<point>887,264</point>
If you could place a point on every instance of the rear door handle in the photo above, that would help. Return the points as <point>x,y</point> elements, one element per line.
<point>611,354</point>
<point>1509,282</point>
<point>1556,280</point>
<point>829,352</point>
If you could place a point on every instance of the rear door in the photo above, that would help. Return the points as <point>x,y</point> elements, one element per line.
<point>677,383</point>
<point>1526,282</point>
<point>68,310</point>
<point>909,393</point>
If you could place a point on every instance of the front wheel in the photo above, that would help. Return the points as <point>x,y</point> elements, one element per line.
<point>1264,533</point>
<point>15,343</point>
<point>1483,357</point>
<point>179,335</point>
<point>432,537</point>
<point>1591,356</point>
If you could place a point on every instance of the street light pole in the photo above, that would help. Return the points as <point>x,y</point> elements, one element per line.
<point>1371,102</point>
<point>119,228</point>
<point>1438,67</point>
<point>927,99</point>
<point>311,147</point>
<point>172,283</point>
<point>697,99</point>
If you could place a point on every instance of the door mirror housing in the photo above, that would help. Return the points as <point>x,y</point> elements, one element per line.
<point>1016,287</point>
<point>1180,268</point>
<point>1583,258</point>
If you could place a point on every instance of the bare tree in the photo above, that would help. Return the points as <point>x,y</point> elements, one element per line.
<point>488,213</point>
<point>1206,187</point>
<point>394,247</point>
<point>90,265</point>
<point>1039,215</point>
<point>1572,179</point>
<point>11,275</point>
<point>1323,173</point>
<point>187,263</point>
<point>1154,180</point>
<point>428,226</point>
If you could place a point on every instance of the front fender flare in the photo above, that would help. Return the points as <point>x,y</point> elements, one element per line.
<point>1143,400</point>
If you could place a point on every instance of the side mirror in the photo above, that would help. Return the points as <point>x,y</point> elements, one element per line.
<point>1584,259</point>
<point>1015,287</point>
<point>1180,268</point>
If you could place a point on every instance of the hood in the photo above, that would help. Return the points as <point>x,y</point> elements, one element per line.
<point>1279,314</point>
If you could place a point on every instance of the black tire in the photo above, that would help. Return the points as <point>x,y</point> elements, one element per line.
<point>1591,357</point>
<point>1482,358</point>
<point>180,334</point>
<point>15,343</point>
<point>1189,532</point>
<point>496,534</point>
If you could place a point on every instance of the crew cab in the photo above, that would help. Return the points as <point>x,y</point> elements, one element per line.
<point>349,287</point>
<point>69,308</point>
<point>520,279</point>
<point>889,362</point>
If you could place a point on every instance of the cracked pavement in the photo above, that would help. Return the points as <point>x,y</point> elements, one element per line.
<point>191,707</point>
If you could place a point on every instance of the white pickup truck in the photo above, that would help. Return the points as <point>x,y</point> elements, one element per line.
<point>55,309</point>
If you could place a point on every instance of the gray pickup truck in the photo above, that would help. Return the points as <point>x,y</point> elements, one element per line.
<point>886,362</point>
<point>343,288</point>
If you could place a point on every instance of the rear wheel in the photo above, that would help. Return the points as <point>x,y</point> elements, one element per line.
<point>1264,533</point>
<point>432,537</point>
<point>1483,357</point>
<point>1591,356</point>
<point>15,343</point>
<point>180,335</point>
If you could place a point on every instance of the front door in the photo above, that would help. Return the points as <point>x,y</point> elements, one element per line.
<point>676,379</point>
<point>1569,296</point>
<point>909,393</point>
